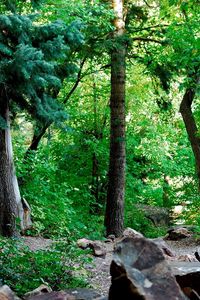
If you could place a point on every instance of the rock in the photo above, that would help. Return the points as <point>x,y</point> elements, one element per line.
<point>197,256</point>
<point>162,245</point>
<point>84,294</point>
<point>42,289</point>
<point>129,232</point>
<point>159,216</point>
<point>111,237</point>
<point>188,277</point>
<point>98,248</point>
<point>53,296</point>
<point>108,241</point>
<point>139,271</point>
<point>7,294</point>
<point>83,243</point>
<point>187,257</point>
<point>178,234</point>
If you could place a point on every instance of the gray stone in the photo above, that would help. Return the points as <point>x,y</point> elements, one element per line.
<point>7,294</point>
<point>42,289</point>
<point>162,245</point>
<point>139,271</point>
<point>188,277</point>
<point>178,234</point>
<point>83,243</point>
<point>129,232</point>
<point>159,216</point>
<point>97,247</point>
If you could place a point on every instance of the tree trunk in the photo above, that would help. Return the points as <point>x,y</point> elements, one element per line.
<point>9,190</point>
<point>114,217</point>
<point>39,132</point>
<point>191,127</point>
<point>166,190</point>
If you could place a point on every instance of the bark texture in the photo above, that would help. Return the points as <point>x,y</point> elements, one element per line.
<point>114,218</point>
<point>191,127</point>
<point>8,182</point>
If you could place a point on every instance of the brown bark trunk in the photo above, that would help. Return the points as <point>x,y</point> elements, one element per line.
<point>95,185</point>
<point>8,182</point>
<point>37,136</point>
<point>191,127</point>
<point>114,218</point>
<point>166,189</point>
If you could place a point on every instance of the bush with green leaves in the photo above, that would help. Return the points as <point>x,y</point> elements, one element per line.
<point>135,218</point>
<point>24,270</point>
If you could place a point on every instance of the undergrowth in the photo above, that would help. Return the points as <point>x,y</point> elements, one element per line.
<point>24,270</point>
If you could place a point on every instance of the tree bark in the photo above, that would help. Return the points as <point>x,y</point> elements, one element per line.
<point>191,128</point>
<point>114,217</point>
<point>9,190</point>
<point>39,132</point>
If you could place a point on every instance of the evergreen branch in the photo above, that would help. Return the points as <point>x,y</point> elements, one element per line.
<point>22,102</point>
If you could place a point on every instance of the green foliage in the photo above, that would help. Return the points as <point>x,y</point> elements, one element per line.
<point>135,218</point>
<point>35,59</point>
<point>24,270</point>
<point>39,60</point>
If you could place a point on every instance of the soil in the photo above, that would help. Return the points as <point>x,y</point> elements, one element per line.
<point>99,271</point>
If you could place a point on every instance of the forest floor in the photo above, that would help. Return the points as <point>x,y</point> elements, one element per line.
<point>99,270</point>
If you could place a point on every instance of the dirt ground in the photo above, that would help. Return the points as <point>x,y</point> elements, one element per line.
<point>99,269</point>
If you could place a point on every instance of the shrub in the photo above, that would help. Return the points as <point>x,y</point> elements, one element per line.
<point>24,270</point>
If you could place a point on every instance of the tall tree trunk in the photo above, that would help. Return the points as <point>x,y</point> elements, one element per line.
<point>9,190</point>
<point>114,217</point>
<point>191,127</point>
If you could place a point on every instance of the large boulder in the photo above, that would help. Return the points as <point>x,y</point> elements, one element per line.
<point>7,294</point>
<point>139,271</point>
<point>188,277</point>
<point>164,247</point>
<point>178,233</point>
<point>159,216</point>
<point>130,232</point>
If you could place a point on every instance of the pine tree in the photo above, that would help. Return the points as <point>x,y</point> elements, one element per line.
<point>31,56</point>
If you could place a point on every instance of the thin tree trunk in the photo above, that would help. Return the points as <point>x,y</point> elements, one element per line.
<point>191,127</point>
<point>166,189</point>
<point>114,217</point>
<point>9,190</point>
<point>39,132</point>
<point>95,163</point>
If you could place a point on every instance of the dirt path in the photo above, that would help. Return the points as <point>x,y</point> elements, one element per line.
<point>37,243</point>
<point>100,278</point>
<point>99,271</point>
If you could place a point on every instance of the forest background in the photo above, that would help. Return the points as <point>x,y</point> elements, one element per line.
<point>56,61</point>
